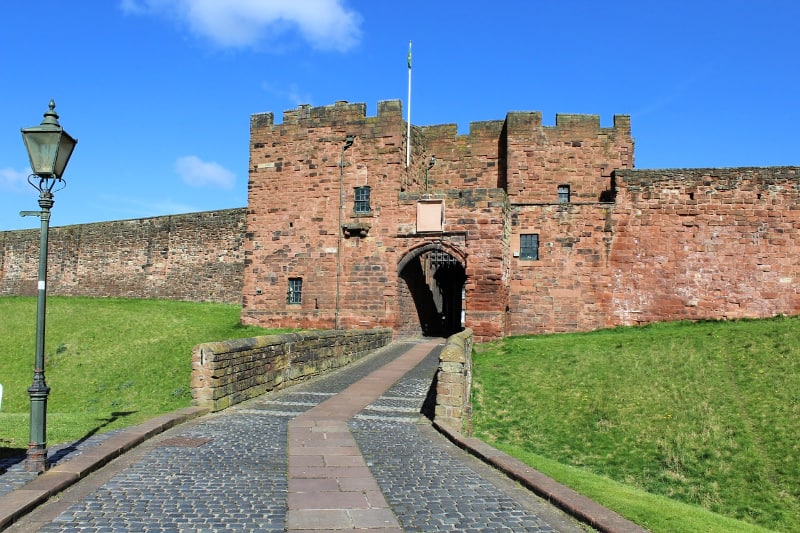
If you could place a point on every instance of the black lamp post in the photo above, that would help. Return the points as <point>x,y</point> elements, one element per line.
<point>348,142</point>
<point>49,149</point>
<point>430,166</point>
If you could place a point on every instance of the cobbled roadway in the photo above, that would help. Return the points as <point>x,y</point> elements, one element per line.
<point>229,471</point>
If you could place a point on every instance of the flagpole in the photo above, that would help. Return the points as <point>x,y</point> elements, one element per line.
<point>408,133</point>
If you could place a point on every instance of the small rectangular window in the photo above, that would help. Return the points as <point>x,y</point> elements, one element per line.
<point>295,294</point>
<point>563,194</point>
<point>529,246</point>
<point>362,200</point>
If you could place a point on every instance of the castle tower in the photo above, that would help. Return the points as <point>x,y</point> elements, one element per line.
<point>341,234</point>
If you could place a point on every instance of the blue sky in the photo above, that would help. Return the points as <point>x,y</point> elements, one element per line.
<point>159,93</point>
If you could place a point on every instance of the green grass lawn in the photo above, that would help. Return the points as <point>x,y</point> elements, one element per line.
<point>706,415</point>
<point>109,363</point>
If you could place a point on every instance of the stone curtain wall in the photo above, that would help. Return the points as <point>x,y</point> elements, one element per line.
<point>226,373</point>
<point>676,244</point>
<point>705,243</point>
<point>454,384</point>
<point>195,257</point>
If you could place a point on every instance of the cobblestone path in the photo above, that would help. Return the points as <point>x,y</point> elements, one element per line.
<point>229,471</point>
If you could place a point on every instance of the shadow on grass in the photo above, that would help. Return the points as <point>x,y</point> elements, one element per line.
<point>12,456</point>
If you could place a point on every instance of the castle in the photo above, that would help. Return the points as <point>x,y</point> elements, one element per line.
<point>514,228</point>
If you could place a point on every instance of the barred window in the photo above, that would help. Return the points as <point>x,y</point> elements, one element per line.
<point>362,200</point>
<point>563,194</point>
<point>295,293</point>
<point>529,246</point>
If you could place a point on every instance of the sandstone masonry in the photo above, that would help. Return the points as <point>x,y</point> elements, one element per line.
<point>225,373</point>
<point>195,257</point>
<point>438,238</point>
<point>453,409</point>
<point>513,228</point>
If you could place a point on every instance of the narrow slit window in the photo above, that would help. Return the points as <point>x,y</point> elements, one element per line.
<point>362,196</point>
<point>295,293</point>
<point>529,246</point>
<point>563,194</point>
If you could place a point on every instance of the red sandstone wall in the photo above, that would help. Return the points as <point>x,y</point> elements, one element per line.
<point>677,244</point>
<point>196,257</point>
<point>472,161</point>
<point>569,287</point>
<point>293,218</point>
<point>575,152</point>
<point>706,243</point>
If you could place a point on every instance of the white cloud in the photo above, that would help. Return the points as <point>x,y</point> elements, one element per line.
<point>198,173</point>
<point>292,93</point>
<point>134,7</point>
<point>13,180</point>
<point>324,24</point>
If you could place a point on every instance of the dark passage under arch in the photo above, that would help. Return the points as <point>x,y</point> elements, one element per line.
<point>434,280</point>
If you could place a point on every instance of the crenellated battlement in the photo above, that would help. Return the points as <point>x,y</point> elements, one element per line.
<point>571,120</point>
<point>577,154</point>
<point>486,128</point>
<point>528,121</point>
<point>341,112</point>
<point>440,131</point>
<point>515,121</point>
<point>518,153</point>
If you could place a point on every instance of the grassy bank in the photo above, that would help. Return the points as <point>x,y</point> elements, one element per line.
<point>110,363</point>
<point>705,414</point>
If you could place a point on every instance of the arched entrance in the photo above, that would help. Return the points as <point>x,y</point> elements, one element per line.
<point>431,290</point>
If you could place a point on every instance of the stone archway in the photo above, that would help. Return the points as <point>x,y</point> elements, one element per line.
<point>431,290</point>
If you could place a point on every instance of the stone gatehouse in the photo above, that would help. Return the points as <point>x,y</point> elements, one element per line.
<point>513,228</point>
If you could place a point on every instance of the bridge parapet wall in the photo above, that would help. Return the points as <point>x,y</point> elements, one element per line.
<point>225,373</point>
<point>454,383</point>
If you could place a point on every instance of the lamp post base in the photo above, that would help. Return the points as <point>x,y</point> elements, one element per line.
<point>36,461</point>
